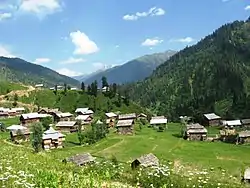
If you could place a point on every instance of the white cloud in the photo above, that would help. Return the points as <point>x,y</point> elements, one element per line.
<point>5,52</point>
<point>72,60</point>
<point>152,42</point>
<point>117,46</point>
<point>247,7</point>
<point>4,16</point>
<point>41,61</point>
<point>183,40</point>
<point>40,7</point>
<point>83,44</point>
<point>68,72</point>
<point>154,11</point>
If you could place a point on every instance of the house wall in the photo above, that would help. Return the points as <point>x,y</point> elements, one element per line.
<point>29,121</point>
<point>52,144</point>
<point>244,140</point>
<point>197,136</point>
<point>67,129</point>
<point>212,122</point>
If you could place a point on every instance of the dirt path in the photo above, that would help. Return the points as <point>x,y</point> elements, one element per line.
<point>110,147</point>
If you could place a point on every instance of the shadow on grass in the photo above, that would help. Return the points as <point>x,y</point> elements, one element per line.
<point>71,144</point>
<point>177,135</point>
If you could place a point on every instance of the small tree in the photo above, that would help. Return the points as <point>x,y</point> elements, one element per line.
<point>126,99</point>
<point>119,101</point>
<point>46,122</point>
<point>37,136</point>
<point>83,87</point>
<point>104,82</point>
<point>65,88</point>
<point>80,134</point>
<point>15,100</point>
<point>55,90</point>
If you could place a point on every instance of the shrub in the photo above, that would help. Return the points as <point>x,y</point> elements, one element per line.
<point>37,136</point>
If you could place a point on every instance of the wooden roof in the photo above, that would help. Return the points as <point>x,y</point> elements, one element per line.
<point>125,123</point>
<point>148,160</point>
<point>81,159</point>
<point>245,121</point>
<point>127,116</point>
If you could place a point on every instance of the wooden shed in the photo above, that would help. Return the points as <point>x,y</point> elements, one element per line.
<point>159,122</point>
<point>195,132</point>
<point>147,160</point>
<point>125,126</point>
<point>245,122</point>
<point>111,118</point>
<point>81,159</point>
<point>60,116</point>
<point>243,137</point>
<point>211,119</point>
<point>67,126</point>
<point>30,118</point>
<point>18,132</point>
<point>52,139</point>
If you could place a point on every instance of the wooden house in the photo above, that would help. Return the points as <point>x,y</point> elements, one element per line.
<point>81,159</point>
<point>85,119</point>
<point>211,119</point>
<point>18,110</point>
<point>4,115</point>
<point>52,139</point>
<point>12,113</point>
<point>159,122</point>
<point>67,126</point>
<point>127,116</point>
<point>50,111</point>
<point>245,122</point>
<point>18,132</point>
<point>60,116</point>
<point>84,111</point>
<point>111,118</point>
<point>246,177</point>
<point>243,137</point>
<point>147,160</point>
<point>232,123</point>
<point>195,132</point>
<point>30,118</point>
<point>125,126</point>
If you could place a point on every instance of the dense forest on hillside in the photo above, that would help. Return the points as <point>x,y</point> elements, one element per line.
<point>211,76</point>
<point>18,70</point>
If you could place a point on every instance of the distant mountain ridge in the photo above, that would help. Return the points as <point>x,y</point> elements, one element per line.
<point>19,70</point>
<point>132,71</point>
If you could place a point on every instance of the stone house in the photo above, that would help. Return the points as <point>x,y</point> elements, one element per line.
<point>18,132</point>
<point>85,119</point>
<point>127,116</point>
<point>84,111</point>
<point>147,160</point>
<point>159,122</point>
<point>245,122</point>
<point>211,119</point>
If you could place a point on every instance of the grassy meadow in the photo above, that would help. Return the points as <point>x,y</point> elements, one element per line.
<point>184,163</point>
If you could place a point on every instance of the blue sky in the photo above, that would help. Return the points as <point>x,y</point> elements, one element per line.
<point>77,37</point>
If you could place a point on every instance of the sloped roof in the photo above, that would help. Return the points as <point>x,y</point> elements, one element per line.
<point>99,122</point>
<point>125,123</point>
<point>159,117</point>
<point>65,114</point>
<point>158,121</point>
<point>66,124</point>
<point>110,114</point>
<point>47,110</point>
<point>142,115</point>
<point>19,109</point>
<point>34,115</point>
<point>212,116</point>
<point>81,109</point>
<point>196,128</point>
<point>232,123</point>
<point>247,174</point>
<point>82,117</point>
<point>81,159</point>
<point>16,127</point>
<point>245,121</point>
<point>52,134</point>
<point>244,134</point>
<point>127,116</point>
<point>148,160</point>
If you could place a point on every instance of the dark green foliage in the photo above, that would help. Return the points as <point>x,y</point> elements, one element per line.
<point>55,90</point>
<point>211,76</point>
<point>2,127</point>
<point>80,134</point>
<point>15,100</point>
<point>6,87</point>
<point>104,82</point>
<point>18,70</point>
<point>37,136</point>
<point>20,135</point>
<point>46,122</point>
<point>83,86</point>
<point>65,88</point>
<point>126,98</point>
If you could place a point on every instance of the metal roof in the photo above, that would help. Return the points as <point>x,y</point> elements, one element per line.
<point>16,127</point>
<point>212,116</point>
<point>66,124</point>
<point>159,117</point>
<point>65,114</point>
<point>232,123</point>
<point>52,134</point>
<point>110,114</point>
<point>34,115</point>
<point>125,123</point>
<point>82,117</point>
<point>245,121</point>
<point>158,121</point>
<point>127,116</point>
<point>81,109</point>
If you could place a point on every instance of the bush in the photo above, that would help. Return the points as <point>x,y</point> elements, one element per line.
<point>37,136</point>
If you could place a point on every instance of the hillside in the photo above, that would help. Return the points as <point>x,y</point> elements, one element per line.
<point>18,70</point>
<point>213,75</point>
<point>132,71</point>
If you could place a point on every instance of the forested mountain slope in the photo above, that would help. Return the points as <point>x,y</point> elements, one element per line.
<point>213,75</point>
<point>132,71</point>
<point>18,70</point>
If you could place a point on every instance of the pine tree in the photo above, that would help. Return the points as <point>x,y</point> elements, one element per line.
<point>104,82</point>
<point>83,86</point>
<point>37,136</point>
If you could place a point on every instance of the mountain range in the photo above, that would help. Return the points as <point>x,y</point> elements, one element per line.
<point>132,71</point>
<point>18,70</point>
<point>211,76</point>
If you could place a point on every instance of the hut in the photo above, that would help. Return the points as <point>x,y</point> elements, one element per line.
<point>195,132</point>
<point>211,119</point>
<point>18,132</point>
<point>67,126</point>
<point>30,118</point>
<point>60,116</point>
<point>147,160</point>
<point>52,139</point>
<point>125,126</point>
<point>85,119</point>
<point>246,177</point>
<point>111,118</point>
<point>81,159</point>
<point>243,137</point>
<point>159,122</point>
<point>84,111</point>
<point>127,116</point>
<point>245,122</point>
